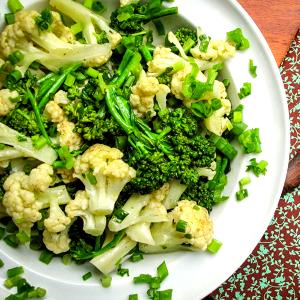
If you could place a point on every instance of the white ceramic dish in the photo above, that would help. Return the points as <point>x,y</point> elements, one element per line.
<point>239,225</point>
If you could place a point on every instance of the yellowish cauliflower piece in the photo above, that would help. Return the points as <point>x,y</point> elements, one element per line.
<point>20,195</point>
<point>126,2</point>
<point>6,105</point>
<point>199,224</point>
<point>67,136</point>
<point>57,242</point>
<point>54,112</point>
<point>217,122</point>
<point>217,50</point>
<point>111,174</point>
<point>62,31</point>
<point>163,58</point>
<point>143,93</point>
<point>61,98</point>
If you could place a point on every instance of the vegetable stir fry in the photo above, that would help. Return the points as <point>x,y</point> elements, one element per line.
<point>112,145</point>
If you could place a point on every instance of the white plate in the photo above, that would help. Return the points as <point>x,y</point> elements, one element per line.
<point>239,225</point>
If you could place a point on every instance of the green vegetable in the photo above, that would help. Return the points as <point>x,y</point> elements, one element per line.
<point>106,281</point>
<point>252,68</point>
<point>14,272</point>
<point>241,194</point>
<point>9,18</point>
<point>11,240</point>
<point>245,90</point>
<point>14,5</point>
<point>224,146</point>
<point>162,271</point>
<point>15,57</point>
<point>122,271</point>
<point>23,237</point>
<point>204,42</point>
<point>238,39</point>
<point>87,276</point>
<point>45,20</point>
<point>204,109</point>
<point>181,226</point>
<point>46,257</point>
<point>187,38</point>
<point>159,27</point>
<point>133,297</point>
<point>250,141</point>
<point>214,246</point>
<point>258,168</point>
<point>1,263</point>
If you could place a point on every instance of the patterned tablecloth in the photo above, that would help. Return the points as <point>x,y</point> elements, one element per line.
<point>272,271</point>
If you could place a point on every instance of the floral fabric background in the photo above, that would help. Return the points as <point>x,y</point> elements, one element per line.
<point>272,271</point>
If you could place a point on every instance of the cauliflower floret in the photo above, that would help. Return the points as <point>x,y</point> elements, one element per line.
<point>66,175</point>
<point>163,58</point>
<point>54,112</point>
<point>6,105</point>
<point>108,174</point>
<point>217,122</point>
<point>161,95</point>
<point>217,50</point>
<point>92,224</point>
<point>40,178</point>
<point>195,229</point>
<point>67,136</point>
<point>143,93</point>
<point>62,31</point>
<point>61,98</point>
<point>57,242</point>
<point>57,220</point>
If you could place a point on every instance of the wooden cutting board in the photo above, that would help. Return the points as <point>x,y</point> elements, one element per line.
<point>278,20</point>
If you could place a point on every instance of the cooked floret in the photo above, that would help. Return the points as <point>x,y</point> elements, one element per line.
<point>6,101</point>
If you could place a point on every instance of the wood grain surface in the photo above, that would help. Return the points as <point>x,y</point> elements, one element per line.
<point>278,20</point>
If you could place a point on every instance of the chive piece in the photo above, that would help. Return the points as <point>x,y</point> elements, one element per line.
<point>226,83</point>
<point>98,7</point>
<point>165,295</point>
<point>59,164</point>
<point>238,128</point>
<point>23,237</point>
<point>38,142</point>
<point>66,259</point>
<point>162,270</point>
<point>37,293</point>
<point>91,178</point>
<point>9,18</point>
<point>155,283</point>
<point>122,271</point>
<point>241,194</point>
<point>181,226</point>
<point>244,181</point>
<point>159,26</point>
<point>11,240</point>
<point>15,57</point>
<point>136,256</point>
<point>214,246</point>
<point>106,281</point>
<point>133,297</point>
<point>87,276</point>
<point>70,80</point>
<point>252,68</point>
<point>46,257</point>
<point>14,272</point>
<point>238,39</point>
<point>34,65</point>
<point>88,3</point>
<point>120,214</point>
<point>1,263</point>
<point>80,77</point>
<point>92,72</point>
<point>14,5</point>
<point>188,44</point>
<point>204,42</point>
<point>121,141</point>
<point>76,28</point>
<point>224,146</point>
<point>2,232</point>
<point>14,76</point>
<point>146,53</point>
<point>143,278</point>
<point>245,90</point>
<point>258,168</point>
<point>250,141</point>
<point>11,282</point>
<point>237,116</point>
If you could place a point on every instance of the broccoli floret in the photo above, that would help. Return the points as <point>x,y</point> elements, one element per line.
<point>131,18</point>
<point>187,37</point>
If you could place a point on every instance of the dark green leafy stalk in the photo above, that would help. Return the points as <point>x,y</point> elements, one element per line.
<point>146,53</point>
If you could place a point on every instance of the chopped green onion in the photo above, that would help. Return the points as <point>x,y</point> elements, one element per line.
<point>14,272</point>
<point>38,142</point>
<point>23,237</point>
<point>122,271</point>
<point>88,3</point>
<point>136,256</point>
<point>66,259</point>
<point>162,270</point>
<point>91,178</point>
<point>46,257</point>
<point>188,44</point>
<point>188,236</point>
<point>241,194</point>
<point>106,281</point>
<point>70,80</point>
<point>21,138</point>
<point>59,164</point>
<point>45,19</point>
<point>121,141</point>
<point>224,146</point>
<point>11,227</point>
<point>214,246</point>
<point>98,7</point>
<point>133,297</point>
<point>9,18</point>
<point>15,57</point>
<point>238,39</point>
<point>159,26</point>
<point>146,53</point>
<point>2,232</point>
<point>143,278</point>
<point>179,65</point>
<point>11,282</point>
<point>80,77</point>
<point>35,65</point>
<point>76,28</point>
<point>196,207</point>
<point>204,109</point>
<point>37,293</point>
<point>92,72</point>
<point>2,146</point>
<point>14,5</point>
<point>165,295</point>
<point>155,283</point>
<point>244,181</point>
<point>11,240</point>
<point>245,90</point>
<point>257,168</point>
<point>181,226</point>
<point>252,68</point>
<point>237,116</point>
<point>120,214</point>
<point>250,141</point>
<point>226,83</point>
<point>1,263</point>
<point>87,276</point>
<point>204,42</point>
<point>238,128</point>
<point>14,76</point>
